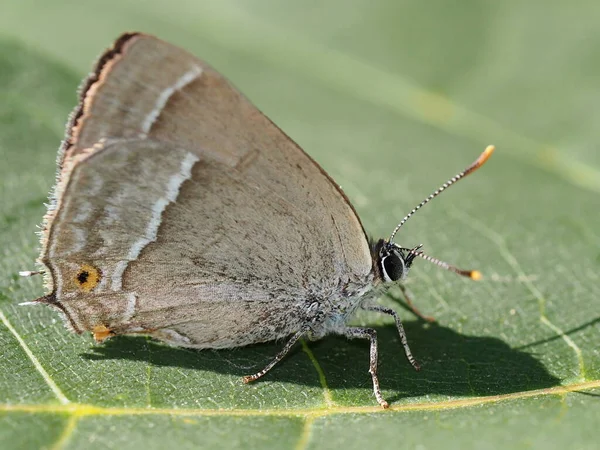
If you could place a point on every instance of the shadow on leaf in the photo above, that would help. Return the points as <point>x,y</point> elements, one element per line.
<point>452,363</point>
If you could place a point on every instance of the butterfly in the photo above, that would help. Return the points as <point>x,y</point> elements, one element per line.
<point>183,213</point>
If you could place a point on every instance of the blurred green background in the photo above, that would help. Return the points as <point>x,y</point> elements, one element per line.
<point>391,98</point>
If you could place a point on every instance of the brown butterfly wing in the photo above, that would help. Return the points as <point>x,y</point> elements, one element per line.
<point>197,220</point>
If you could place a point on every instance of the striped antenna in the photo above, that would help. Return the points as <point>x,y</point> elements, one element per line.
<point>472,274</point>
<point>472,168</point>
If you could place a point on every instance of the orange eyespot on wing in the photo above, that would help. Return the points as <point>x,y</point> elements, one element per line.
<point>88,277</point>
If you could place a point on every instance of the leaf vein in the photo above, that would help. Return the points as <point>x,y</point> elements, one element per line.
<point>346,73</point>
<point>67,432</point>
<point>306,433</point>
<point>83,410</point>
<point>497,239</point>
<point>36,362</point>
<point>326,392</point>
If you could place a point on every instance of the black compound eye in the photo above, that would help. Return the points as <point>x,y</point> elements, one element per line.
<point>393,266</point>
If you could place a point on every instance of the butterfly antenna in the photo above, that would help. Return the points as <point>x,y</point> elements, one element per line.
<point>472,274</point>
<point>472,168</point>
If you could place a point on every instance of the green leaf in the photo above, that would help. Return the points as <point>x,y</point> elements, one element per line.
<point>392,98</point>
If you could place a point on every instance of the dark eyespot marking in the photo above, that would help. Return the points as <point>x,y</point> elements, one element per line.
<point>88,277</point>
<point>82,276</point>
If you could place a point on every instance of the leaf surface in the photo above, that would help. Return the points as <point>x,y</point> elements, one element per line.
<point>391,98</point>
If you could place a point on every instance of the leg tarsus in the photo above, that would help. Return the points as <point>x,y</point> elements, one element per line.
<point>284,351</point>
<point>371,334</point>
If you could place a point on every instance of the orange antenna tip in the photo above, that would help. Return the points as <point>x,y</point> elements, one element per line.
<point>479,161</point>
<point>476,274</point>
<point>486,155</point>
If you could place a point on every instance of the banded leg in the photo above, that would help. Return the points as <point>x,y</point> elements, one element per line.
<point>412,307</point>
<point>284,351</point>
<point>401,332</point>
<point>371,334</point>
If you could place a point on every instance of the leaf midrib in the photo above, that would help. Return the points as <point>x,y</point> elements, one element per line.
<point>84,410</point>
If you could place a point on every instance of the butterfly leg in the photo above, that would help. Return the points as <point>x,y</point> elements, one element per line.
<point>371,334</point>
<point>288,346</point>
<point>401,332</point>
<point>412,307</point>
